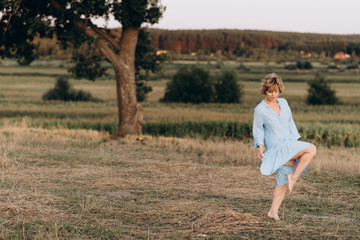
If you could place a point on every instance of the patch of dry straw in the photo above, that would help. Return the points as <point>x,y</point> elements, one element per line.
<point>237,153</point>
<point>25,204</point>
<point>227,152</point>
<point>228,221</point>
<point>20,133</point>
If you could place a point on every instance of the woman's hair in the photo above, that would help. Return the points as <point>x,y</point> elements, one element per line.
<point>270,83</point>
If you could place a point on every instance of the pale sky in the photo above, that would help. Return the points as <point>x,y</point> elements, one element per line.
<point>315,16</point>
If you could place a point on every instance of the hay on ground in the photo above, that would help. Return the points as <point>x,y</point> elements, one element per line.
<point>228,221</point>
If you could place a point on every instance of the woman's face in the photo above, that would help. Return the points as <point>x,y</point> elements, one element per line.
<point>272,93</point>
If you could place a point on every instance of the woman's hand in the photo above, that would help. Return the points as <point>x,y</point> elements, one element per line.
<point>261,151</point>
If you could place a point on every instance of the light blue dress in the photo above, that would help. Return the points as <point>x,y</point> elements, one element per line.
<point>279,135</point>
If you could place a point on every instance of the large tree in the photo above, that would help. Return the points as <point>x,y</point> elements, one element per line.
<point>72,22</point>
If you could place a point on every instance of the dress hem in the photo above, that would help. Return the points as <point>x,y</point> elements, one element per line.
<point>278,165</point>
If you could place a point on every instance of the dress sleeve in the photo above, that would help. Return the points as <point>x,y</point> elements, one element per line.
<point>293,130</point>
<point>258,129</point>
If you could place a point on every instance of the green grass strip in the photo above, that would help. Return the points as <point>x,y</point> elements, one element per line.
<point>326,135</point>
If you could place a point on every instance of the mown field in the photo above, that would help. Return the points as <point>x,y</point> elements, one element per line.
<point>60,181</point>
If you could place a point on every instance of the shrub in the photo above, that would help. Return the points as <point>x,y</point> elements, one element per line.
<point>206,129</point>
<point>299,64</point>
<point>189,85</point>
<point>290,67</point>
<point>304,65</point>
<point>320,92</point>
<point>307,65</point>
<point>64,91</point>
<point>332,67</point>
<point>141,90</point>
<point>227,90</point>
<point>352,66</point>
<point>219,64</point>
<point>24,61</point>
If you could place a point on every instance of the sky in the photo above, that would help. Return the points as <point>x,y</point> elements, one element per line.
<point>311,16</point>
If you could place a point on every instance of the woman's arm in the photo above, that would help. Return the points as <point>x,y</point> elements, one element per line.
<point>258,131</point>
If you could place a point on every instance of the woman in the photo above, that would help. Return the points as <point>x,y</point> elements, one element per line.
<point>276,137</point>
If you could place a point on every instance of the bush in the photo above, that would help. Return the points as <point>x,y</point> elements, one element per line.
<point>64,91</point>
<point>141,90</point>
<point>307,65</point>
<point>290,67</point>
<point>24,62</point>
<point>189,85</point>
<point>304,65</point>
<point>219,64</point>
<point>207,129</point>
<point>352,66</point>
<point>227,90</point>
<point>320,92</point>
<point>332,67</point>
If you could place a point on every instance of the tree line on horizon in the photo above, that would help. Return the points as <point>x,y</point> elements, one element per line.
<point>244,42</point>
<point>240,43</point>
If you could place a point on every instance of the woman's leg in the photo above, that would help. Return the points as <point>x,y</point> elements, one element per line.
<point>278,197</point>
<point>305,158</point>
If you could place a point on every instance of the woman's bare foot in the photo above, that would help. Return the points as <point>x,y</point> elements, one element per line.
<point>291,182</point>
<point>273,216</point>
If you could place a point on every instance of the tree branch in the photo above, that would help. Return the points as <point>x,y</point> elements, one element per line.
<point>16,10</point>
<point>101,43</point>
<point>105,35</point>
<point>109,54</point>
<point>93,31</point>
<point>87,22</point>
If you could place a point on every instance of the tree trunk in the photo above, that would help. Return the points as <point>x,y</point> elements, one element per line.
<point>130,112</point>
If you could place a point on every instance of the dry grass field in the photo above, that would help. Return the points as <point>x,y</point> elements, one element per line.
<point>59,183</point>
<point>78,184</point>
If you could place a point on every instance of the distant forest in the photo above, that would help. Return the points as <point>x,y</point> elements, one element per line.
<point>236,43</point>
<point>244,42</point>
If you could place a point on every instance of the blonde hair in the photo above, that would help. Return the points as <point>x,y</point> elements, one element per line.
<point>270,83</point>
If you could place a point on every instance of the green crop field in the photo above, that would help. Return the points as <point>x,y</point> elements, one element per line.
<point>62,176</point>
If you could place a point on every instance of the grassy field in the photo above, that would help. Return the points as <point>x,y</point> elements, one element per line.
<point>60,183</point>
<point>77,184</point>
<point>22,88</point>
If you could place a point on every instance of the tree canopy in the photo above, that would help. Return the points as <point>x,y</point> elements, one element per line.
<point>22,20</point>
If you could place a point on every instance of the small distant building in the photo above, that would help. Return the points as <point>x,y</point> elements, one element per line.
<point>159,52</point>
<point>305,55</point>
<point>341,55</point>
